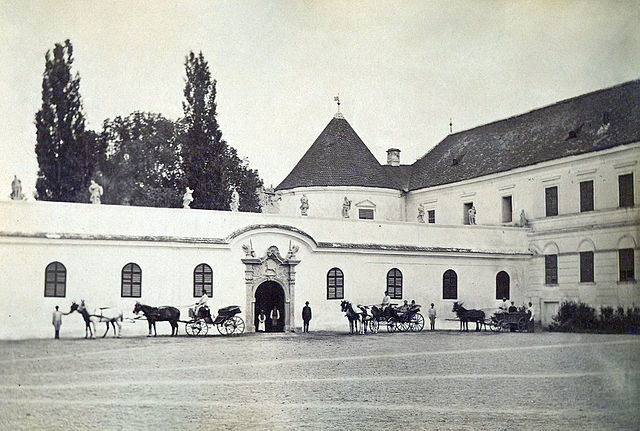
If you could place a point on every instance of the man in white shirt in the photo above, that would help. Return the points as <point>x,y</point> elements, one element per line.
<point>201,303</point>
<point>530,323</point>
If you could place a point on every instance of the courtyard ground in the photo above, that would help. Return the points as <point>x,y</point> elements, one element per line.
<point>324,380</point>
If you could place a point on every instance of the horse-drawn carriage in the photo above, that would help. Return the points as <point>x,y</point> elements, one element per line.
<point>227,322</point>
<point>504,321</point>
<point>371,317</point>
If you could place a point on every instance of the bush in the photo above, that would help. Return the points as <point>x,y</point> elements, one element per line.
<point>579,317</point>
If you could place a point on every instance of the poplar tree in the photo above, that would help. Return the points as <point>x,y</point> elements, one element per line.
<point>67,153</point>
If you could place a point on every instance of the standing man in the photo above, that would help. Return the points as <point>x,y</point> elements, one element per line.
<point>530,323</point>
<point>275,316</point>
<point>56,321</point>
<point>432,317</point>
<point>306,316</point>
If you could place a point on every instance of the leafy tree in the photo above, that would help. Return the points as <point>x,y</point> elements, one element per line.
<point>211,167</point>
<point>142,165</point>
<point>67,153</point>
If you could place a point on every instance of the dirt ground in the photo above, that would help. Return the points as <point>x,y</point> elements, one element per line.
<point>438,381</point>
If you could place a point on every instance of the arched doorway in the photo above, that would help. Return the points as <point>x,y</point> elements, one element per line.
<point>268,295</point>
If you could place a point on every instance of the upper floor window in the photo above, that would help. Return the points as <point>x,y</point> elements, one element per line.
<point>431,216</point>
<point>55,280</point>
<point>449,284</point>
<point>586,196</point>
<point>131,286</point>
<point>625,190</point>
<point>502,285</point>
<point>202,280</point>
<point>551,269</point>
<point>365,213</point>
<point>626,265</point>
<point>394,283</point>
<point>551,201</point>
<point>507,210</point>
<point>335,284</point>
<point>586,267</point>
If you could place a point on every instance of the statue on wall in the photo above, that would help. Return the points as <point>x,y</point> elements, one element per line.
<point>235,200</point>
<point>472,215</point>
<point>523,219</point>
<point>421,213</point>
<point>187,198</point>
<point>346,206</point>
<point>293,249</point>
<point>269,200</point>
<point>16,189</point>
<point>96,192</point>
<point>304,205</point>
<point>248,250</point>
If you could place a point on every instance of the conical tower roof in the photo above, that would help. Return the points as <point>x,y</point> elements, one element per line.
<point>338,157</point>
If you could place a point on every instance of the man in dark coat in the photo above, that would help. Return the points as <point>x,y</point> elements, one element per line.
<point>306,316</point>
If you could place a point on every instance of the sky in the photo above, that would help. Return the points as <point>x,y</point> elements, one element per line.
<point>402,69</point>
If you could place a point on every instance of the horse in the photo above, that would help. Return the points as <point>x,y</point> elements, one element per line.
<point>155,314</point>
<point>103,314</point>
<point>468,315</point>
<point>354,317</point>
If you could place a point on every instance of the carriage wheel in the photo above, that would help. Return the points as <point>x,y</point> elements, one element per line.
<point>189,329</point>
<point>494,326</point>
<point>416,323</point>
<point>391,326</point>
<point>403,326</point>
<point>374,326</point>
<point>238,325</point>
<point>204,328</point>
<point>522,324</point>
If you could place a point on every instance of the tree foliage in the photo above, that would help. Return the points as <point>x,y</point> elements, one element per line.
<point>67,154</point>
<point>211,167</point>
<point>142,165</point>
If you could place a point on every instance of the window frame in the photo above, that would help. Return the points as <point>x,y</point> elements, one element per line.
<point>336,277</point>
<point>587,205</point>
<point>587,266</point>
<point>551,278</point>
<point>372,210</point>
<point>394,274</point>
<point>508,219</point>
<point>430,213</point>
<point>453,286</point>
<point>58,269</point>
<point>132,265</point>
<point>551,206</point>
<point>626,198</point>
<point>626,274</point>
<point>508,287</point>
<point>203,285</point>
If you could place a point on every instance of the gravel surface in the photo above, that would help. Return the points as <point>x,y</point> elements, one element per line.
<point>439,381</point>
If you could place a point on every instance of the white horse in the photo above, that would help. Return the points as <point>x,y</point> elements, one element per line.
<point>102,314</point>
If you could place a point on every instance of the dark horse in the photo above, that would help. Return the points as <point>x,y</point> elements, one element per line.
<point>354,317</point>
<point>155,314</point>
<point>468,315</point>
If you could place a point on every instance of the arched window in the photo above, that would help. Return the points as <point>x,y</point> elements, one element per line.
<point>394,283</point>
<point>55,280</point>
<point>450,284</point>
<point>131,281</point>
<point>335,284</point>
<point>202,280</point>
<point>502,285</point>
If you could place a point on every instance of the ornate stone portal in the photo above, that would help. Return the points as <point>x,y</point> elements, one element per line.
<point>271,267</point>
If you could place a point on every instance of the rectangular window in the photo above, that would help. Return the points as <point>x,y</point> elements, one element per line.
<point>507,210</point>
<point>625,262</point>
<point>586,267</point>
<point>551,201</point>
<point>586,196</point>
<point>431,214</point>
<point>551,269</point>
<point>625,190</point>
<point>465,216</point>
<point>365,214</point>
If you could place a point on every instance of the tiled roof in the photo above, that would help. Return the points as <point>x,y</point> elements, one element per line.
<point>338,157</point>
<point>400,175</point>
<point>591,122</point>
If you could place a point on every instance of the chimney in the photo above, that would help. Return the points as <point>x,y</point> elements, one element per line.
<point>393,157</point>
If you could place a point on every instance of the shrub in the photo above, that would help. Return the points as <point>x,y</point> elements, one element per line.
<point>579,317</point>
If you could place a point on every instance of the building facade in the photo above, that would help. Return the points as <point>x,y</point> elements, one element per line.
<point>554,192</point>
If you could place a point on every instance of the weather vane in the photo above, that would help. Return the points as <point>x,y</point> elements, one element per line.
<point>450,125</point>
<point>337,100</point>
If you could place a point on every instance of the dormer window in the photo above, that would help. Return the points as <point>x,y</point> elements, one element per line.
<point>366,210</point>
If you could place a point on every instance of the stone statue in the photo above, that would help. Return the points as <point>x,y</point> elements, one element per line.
<point>304,205</point>
<point>96,191</point>
<point>235,200</point>
<point>293,249</point>
<point>16,189</point>
<point>421,213</point>
<point>269,200</point>
<point>472,215</point>
<point>187,198</point>
<point>248,250</point>
<point>346,206</point>
<point>523,219</point>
